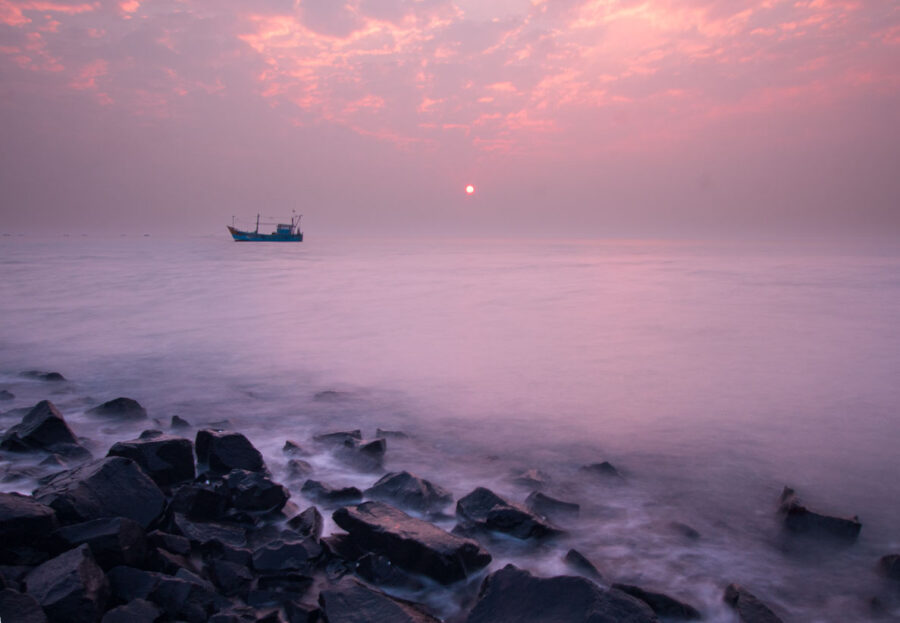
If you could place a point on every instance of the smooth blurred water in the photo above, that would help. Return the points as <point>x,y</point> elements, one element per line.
<point>712,374</point>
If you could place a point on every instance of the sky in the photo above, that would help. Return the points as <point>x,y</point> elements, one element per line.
<point>570,117</point>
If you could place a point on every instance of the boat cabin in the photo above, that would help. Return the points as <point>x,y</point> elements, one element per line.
<point>284,229</point>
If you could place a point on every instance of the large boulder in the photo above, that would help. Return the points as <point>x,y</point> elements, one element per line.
<point>551,507</point>
<point>181,597</point>
<point>20,607</point>
<point>579,563</point>
<point>411,544</point>
<point>307,523</point>
<point>71,588</point>
<point>119,409</point>
<point>223,451</point>
<point>800,519</point>
<point>254,491</point>
<point>484,509</point>
<point>748,607</point>
<point>512,595</point>
<point>136,611</point>
<point>113,540</point>
<point>110,487</point>
<point>167,460</point>
<point>351,602</point>
<point>663,605</point>
<point>326,494</point>
<point>408,491</point>
<point>42,428</point>
<point>283,555</point>
<point>22,518</point>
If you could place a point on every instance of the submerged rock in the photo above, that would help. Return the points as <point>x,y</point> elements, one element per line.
<point>482,508</point>
<point>71,588</point>
<point>6,395</point>
<point>40,375</point>
<point>179,423</point>
<point>889,566</point>
<point>548,506</point>
<point>661,604</point>
<point>409,491</point>
<point>326,494</point>
<point>532,478</point>
<point>411,544</point>
<point>120,408</point>
<point>748,607</point>
<point>395,434</point>
<point>799,519</point>
<point>512,595</point>
<point>603,469</point>
<point>42,428</point>
<point>225,451</point>
<point>579,563</point>
<point>110,487</point>
<point>339,437</point>
<point>308,523</point>
<point>351,602</point>
<point>298,468</point>
<point>167,460</point>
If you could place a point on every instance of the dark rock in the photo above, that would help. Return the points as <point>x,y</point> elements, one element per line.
<point>580,564</point>
<point>484,509</point>
<point>297,469</point>
<point>217,550</point>
<point>287,555</point>
<point>512,596</point>
<point>409,491</point>
<point>411,544</point>
<point>661,604</point>
<point>203,501</point>
<point>152,433</point>
<point>162,560</point>
<point>120,409</point>
<point>340,437</point>
<point>799,519</point>
<point>378,569</point>
<point>374,450</point>
<point>20,607</point>
<point>179,423</point>
<point>137,611</point>
<point>203,533</point>
<point>254,491</point>
<point>22,518</point>
<point>889,566</point>
<point>548,506</point>
<point>182,597</point>
<point>533,478</point>
<point>749,608</point>
<point>169,542</point>
<point>167,460</point>
<point>351,602</point>
<point>280,587</point>
<point>6,395</point>
<point>299,612</point>
<point>325,494</point>
<point>39,375</point>
<point>308,523</point>
<point>394,434</point>
<point>230,577</point>
<point>292,448</point>
<point>110,487</point>
<point>684,530</point>
<point>71,588</point>
<point>113,541</point>
<point>604,469</point>
<point>42,428</point>
<point>342,547</point>
<point>12,576</point>
<point>225,451</point>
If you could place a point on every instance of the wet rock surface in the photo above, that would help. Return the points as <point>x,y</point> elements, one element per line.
<point>661,604</point>
<point>326,494</point>
<point>409,491</point>
<point>70,587</point>
<point>551,507</point>
<point>23,518</point>
<point>224,451</point>
<point>352,602</point>
<point>411,544</point>
<point>113,541</point>
<point>889,566</point>
<point>578,563</point>
<point>484,509</point>
<point>748,607</point>
<point>119,409</point>
<point>20,607</point>
<point>167,460</point>
<point>42,428</point>
<point>513,596</point>
<point>801,520</point>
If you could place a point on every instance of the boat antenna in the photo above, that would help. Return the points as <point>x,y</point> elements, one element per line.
<point>257,222</point>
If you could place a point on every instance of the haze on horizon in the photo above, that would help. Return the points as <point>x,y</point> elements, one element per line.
<point>570,117</point>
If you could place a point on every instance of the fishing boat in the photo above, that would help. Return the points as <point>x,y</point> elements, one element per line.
<point>284,232</point>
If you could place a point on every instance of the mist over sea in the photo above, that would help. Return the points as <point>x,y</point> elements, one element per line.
<point>710,374</point>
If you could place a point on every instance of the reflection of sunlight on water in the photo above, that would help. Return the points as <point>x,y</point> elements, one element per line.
<point>712,376</point>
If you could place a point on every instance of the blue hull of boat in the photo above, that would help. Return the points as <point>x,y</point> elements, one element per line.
<point>251,236</point>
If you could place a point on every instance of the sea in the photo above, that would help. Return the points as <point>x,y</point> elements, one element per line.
<point>711,374</point>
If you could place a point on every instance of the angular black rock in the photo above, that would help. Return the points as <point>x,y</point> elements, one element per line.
<point>225,451</point>
<point>230,577</point>
<point>320,492</point>
<point>42,428</point>
<point>351,602</point>
<point>515,596</point>
<point>580,564</point>
<point>287,555</point>
<point>684,530</point>
<point>604,469</point>
<point>40,375</point>
<point>308,523</point>
<point>71,588</point>
<point>120,409</point>
<point>801,520</point>
<point>547,506</point>
<point>533,478</point>
<point>298,468</point>
<point>411,544</point>
<point>179,423</point>
<point>110,487</point>
<point>340,437</point>
<point>409,491</point>
<point>254,491</point>
<point>748,607</point>
<point>377,569</point>
<point>203,501</point>
<point>484,509</point>
<point>889,566</point>
<point>113,540</point>
<point>299,612</point>
<point>22,518</point>
<point>661,604</point>
<point>167,460</point>
<point>20,607</point>
<point>136,611</point>
<point>181,597</point>
<point>169,542</point>
<point>204,533</point>
<point>6,394</point>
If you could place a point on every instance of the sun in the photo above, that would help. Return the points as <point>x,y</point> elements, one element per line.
<point>470,189</point>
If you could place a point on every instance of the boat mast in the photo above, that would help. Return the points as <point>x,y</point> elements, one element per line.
<point>257,222</point>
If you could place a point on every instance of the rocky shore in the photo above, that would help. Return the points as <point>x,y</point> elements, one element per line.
<point>186,523</point>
